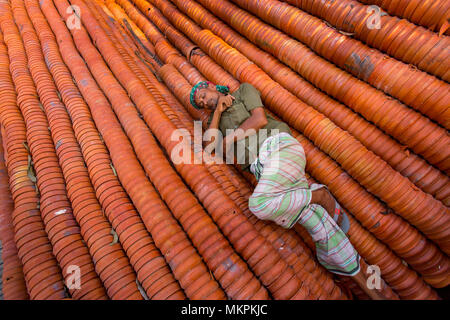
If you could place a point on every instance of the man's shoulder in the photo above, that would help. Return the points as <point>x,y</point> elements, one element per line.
<point>246,86</point>
<point>243,87</point>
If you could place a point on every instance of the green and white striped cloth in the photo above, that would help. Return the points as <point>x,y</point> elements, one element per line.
<point>283,195</point>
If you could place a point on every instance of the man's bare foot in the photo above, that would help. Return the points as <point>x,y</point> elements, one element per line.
<point>324,198</point>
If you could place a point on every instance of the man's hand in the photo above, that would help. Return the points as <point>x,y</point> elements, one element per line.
<point>224,102</point>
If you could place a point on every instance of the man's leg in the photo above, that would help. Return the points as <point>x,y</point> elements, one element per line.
<point>282,189</point>
<point>282,193</point>
<point>323,198</point>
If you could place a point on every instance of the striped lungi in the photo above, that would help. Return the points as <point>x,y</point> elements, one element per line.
<point>283,195</point>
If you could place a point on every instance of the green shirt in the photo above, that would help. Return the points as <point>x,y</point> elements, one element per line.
<point>248,98</point>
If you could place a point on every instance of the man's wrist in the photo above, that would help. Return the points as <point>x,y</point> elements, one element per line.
<point>217,111</point>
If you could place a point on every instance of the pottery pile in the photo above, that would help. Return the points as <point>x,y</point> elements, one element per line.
<point>94,206</point>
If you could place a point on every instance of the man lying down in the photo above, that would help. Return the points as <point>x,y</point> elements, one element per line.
<point>277,160</point>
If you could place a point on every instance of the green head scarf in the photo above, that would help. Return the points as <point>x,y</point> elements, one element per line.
<point>202,85</point>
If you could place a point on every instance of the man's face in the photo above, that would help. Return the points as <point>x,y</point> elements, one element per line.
<point>207,98</point>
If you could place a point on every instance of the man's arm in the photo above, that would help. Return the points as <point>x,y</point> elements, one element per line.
<point>223,104</point>
<point>252,101</point>
<point>256,121</point>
